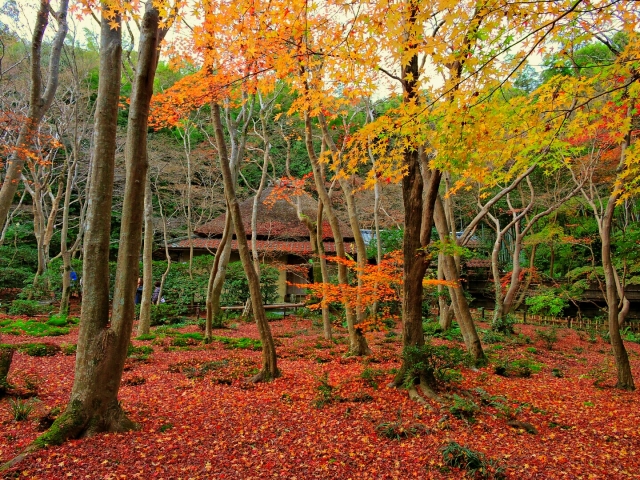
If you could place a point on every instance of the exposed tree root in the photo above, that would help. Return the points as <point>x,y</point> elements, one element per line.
<point>430,392</point>
<point>415,396</point>
<point>76,422</point>
<point>264,376</point>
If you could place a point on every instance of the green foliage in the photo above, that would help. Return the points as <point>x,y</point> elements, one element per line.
<point>434,363</point>
<point>390,240</point>
<point>522,367</point>
<point>30,308</point>
<point>39,349</point>
<point>491,336</point>
<point>433,329</point>
<point>463,408</point>
<point>371,375</point>
<point>630,336</point>
<point>475,463</point>
<point>325,391</point>
<point>236,285</point>
<point>166,314</point>
<point>549,337</point>
<point>139,353</point>
<point>21,409</point>
<point>504,324</point>
<point>547,302</point>
<point>32,328</point>
<point>240,342</point>
<point>69,348</point>
<point>62,320</point>
<point>398,430</point>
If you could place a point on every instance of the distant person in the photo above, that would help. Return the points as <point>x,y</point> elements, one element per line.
<point>138,299</point>
<point>155,294</point>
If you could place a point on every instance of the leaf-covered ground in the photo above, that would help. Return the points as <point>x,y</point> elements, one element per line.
<point>324,418</point>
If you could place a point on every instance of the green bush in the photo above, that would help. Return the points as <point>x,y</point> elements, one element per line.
<point>547,302</point>
<point>32,327</point>
<point>21,409</point>
<point>475,463</point>
<point>504,324</point>
<point>435,363</point>
<point>39,349</point>
<point>236,286</point>
<point>167,314</point>
<point>549,337</point>
<point>463,408</point>
<point>30,308</point>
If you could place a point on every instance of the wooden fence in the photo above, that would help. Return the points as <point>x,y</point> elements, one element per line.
<point>580,323</point>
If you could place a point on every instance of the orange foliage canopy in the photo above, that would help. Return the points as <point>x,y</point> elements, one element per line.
<point>380,283</point>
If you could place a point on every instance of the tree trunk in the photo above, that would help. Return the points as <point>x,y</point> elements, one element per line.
<point>144,323</point>
<point>357,342</point>
<point>103,342</point>
<point>216,279</point>
<point>324,271</point>
<point>39,101</point>
<point>625,378</point>
<point>6,355</point>
<point>458,300</point>
<point>269,360</point>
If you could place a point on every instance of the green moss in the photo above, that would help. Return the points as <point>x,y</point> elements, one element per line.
<point>67,425</point>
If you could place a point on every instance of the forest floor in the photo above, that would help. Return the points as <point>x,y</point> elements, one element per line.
<point>330,416</point>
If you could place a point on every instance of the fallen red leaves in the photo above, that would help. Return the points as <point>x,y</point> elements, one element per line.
<point>199,419</point>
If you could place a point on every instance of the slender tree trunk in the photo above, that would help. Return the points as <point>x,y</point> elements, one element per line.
<point>216,279</point>
<point>358,345</point>
<point>623,367</point>
<point>324,272</point>
<point>144,323</point>
<point>458,300</point>
<point>39,101</point>
<point>269,360</point>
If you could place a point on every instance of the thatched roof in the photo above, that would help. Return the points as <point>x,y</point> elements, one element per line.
<point>268,247</point>
<point>276,220</point>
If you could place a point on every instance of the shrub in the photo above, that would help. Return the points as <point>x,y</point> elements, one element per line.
<point>21,409</point>
<point>548,337</point>
<point>30,308</point>
<point>60,320</point>
<point>139,353</point>
<point>475,463</point>
<point>325,392</point>
<point>504,324</point>
<point>39,349</point>
<point>522,367</point>
<point>491,336</point>
<point>435,363</point>
<point>398,430</point>
<point>166,314</point>
<point>370,376</point>
<point>547,302</point>
<point>69,348</point>
<point>33,328</point>
<point>240,342</point>
<point>463,408</point>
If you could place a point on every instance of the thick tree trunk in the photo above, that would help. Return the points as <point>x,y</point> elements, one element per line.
<point>144,323</point>
<point>269,360</point>
<point>6,356</point>
<point>103,342</point>
<point>39,101</point>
